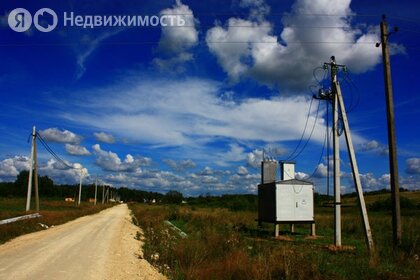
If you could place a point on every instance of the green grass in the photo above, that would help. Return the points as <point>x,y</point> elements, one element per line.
<point>54,212</point>
<point>222,244</point>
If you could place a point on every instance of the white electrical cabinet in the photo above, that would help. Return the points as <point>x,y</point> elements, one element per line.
<point>295,201</point>
<point>286,201</point>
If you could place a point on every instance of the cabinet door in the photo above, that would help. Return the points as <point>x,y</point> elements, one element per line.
<point>285,203</point>
<point>303,203</point>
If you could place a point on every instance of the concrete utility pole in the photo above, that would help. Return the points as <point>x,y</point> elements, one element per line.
<point>33,166</point>
<point>36,175</point>
<point>338,106</point>
<point>336,145</point>
<point>392,143</point>
<point>103,194</point>
<point>80,186</point>
<point>96,189</point>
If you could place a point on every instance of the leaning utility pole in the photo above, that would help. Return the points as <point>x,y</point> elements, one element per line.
<point>338,107</point>
<point>33,166</point>
<point>392,143</point>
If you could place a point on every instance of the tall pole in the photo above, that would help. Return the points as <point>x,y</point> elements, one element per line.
<point>337,190</point>
<point>103,194</point>
<point>96,189</point>
<point>355,171</point>
<point>80,186</point>
<point>31,163</point>
<point>392,144</point>
<point>339,108</point>
<point>36,174</point>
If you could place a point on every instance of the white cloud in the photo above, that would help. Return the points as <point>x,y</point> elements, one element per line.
<point>373,146</point>
<point>254,158</point>
<point>61,174</point>
<point>56,135</point>
<point>321,171</point>
<point>181,165</point>
<point>77,150</point>
<point>412,166</point>
<point>110,161</point>
<point>104,137</point>
<point>176,40</point>
<point>242,171</point>
<point>288,59</point>
<point>236,153</point>
<point>191,111</point>
<point>90,44</point>
<point>301,175</point>
<point>10,167</point>
<point>371,183</point>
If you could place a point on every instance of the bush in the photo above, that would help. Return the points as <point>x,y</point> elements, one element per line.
<point>386,204</point>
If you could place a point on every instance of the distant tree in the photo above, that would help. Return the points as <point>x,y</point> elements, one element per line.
<point>173,197</point>
<point>21,183</point>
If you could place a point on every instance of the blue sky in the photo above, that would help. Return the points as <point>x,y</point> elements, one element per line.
<point>191,108</point>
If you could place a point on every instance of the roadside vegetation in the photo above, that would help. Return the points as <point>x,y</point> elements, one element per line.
<point>53,211</point>
<point>53,208</point>
<point>226,243</point>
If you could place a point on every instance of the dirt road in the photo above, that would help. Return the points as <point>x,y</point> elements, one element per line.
<point>100,246</point>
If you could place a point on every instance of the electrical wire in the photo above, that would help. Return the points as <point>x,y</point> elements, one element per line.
<point>304,130</point>
<point>310,135</point>
<point>322,154</point>
<point>51,151</point>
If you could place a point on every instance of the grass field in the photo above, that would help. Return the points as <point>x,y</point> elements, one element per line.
<point>54,212</point>
<point>223,244</point>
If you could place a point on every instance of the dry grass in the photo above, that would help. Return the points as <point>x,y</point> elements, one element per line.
<point>54,213</point>
<point>229,245</point>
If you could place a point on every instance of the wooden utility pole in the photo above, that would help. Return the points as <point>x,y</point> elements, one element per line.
<point>392,144</point>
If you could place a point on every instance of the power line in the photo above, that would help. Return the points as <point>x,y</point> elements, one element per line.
<point>322,152</point>
<point>48,148</point>
<point>304,130</point>
<point>310,135</point>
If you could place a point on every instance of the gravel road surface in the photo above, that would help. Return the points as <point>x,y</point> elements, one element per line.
<point>100,246</point>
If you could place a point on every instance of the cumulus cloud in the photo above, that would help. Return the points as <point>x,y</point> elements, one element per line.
<point>234,154</point>
<point>110,161</point>
<point>62,174</point>
<point>10,167</point>
<point>76,150</point>
<point>104,137</point>
<point>56,135</point>
<point>249,47</point>
<point>242,171</point>
<point>373,146</point>
<point>371,183</point>
<point>181,165</point>
<point>175,40</point>
<point>321,171</point>
<point>412,166</point>
<point>255,157</point>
